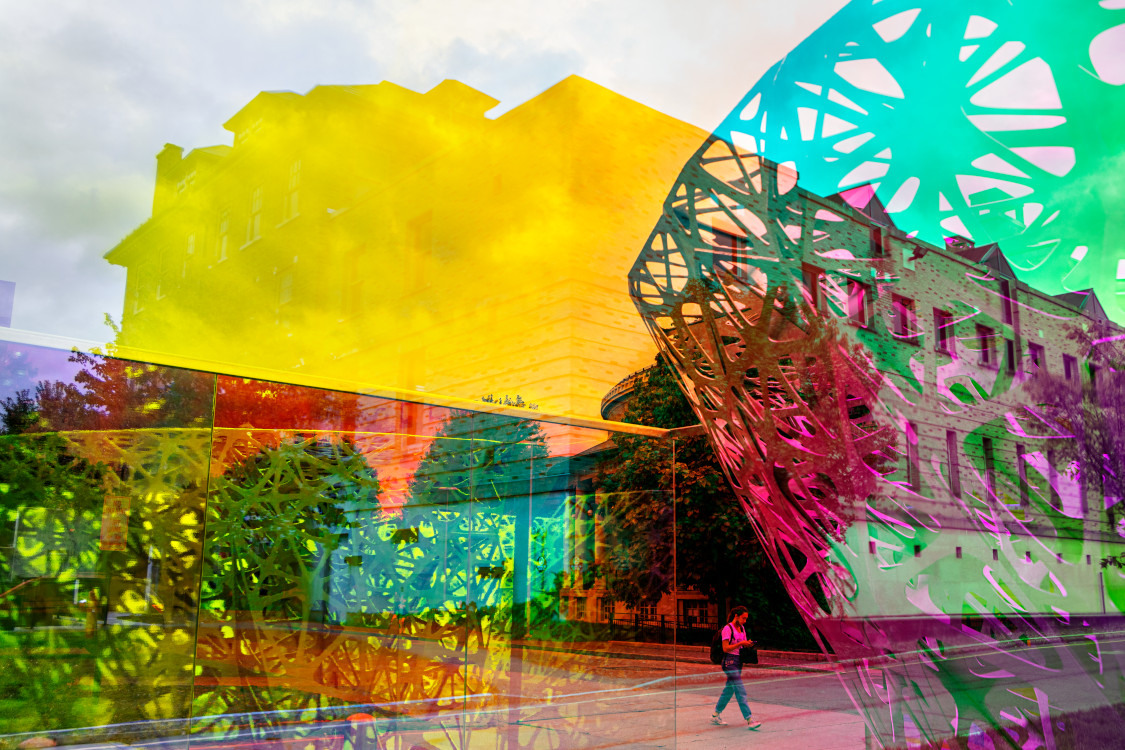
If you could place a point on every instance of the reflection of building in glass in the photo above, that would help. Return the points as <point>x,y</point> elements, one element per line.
<point>873,398</point>
<point>379,236</point>
<point>584,594</point>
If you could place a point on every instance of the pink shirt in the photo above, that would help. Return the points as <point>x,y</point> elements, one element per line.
<point>733,633</point>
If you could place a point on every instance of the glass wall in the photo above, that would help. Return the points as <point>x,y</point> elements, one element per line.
<point>193,555</point>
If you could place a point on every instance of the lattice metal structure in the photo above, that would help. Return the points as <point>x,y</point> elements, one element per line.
<point>997,120</point>
<point>897,470</point>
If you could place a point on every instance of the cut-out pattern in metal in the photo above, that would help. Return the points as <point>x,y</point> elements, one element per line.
<point>869,396</point>
<point>998,120</point>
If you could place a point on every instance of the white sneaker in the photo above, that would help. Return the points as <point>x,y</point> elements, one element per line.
<point>753,725</point>
<point>717,720</point>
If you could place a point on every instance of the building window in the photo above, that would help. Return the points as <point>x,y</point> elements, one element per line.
<point>989,466</point>
<point>860,303</point>
<point>222,237</point>
<point>285,288</point>
<point>736,247</point>
<point>1038,357</point>
<point>165,274</point>
<point>292,190</point>
<point>186,182</point>
<point>607,610</point>
<point>913,470</point>
<point>1070,368</point>
<point>135,289</point>
<point>1052,475</point>
<point>812,277</point>
<point>905,321</point>
<point>877,242</point>
<point>986,354</point>
<point>1006,300</point>
<point>1021,471</point>
<point>1010,356</point>
<point>254,220</point>
<point>1092,369</point>
<point>951,462</point>
<point>943,330</point>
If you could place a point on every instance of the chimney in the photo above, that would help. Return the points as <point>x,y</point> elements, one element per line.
<point>167,175</point>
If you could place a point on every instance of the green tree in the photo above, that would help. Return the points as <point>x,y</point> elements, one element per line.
<point>284,529</point>
<point>467,517</point>
<point>717,549</point>
<point>1085,412</point>
<point>275,523</point>
<point>19,413</point>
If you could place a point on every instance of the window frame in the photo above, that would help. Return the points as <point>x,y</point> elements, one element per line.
<point>861,314</point>
<point>944,340</point>
<point>986,351</point>
<point>905,326</point>
<point>953,462</point>
<point>811,278</point>
<point>1037,355</point>
<point>1070,368</point>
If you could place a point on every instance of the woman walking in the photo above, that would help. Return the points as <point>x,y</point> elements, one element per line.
<point>733,639</point>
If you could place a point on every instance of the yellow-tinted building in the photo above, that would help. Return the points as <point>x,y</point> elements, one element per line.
<point>383,237</point>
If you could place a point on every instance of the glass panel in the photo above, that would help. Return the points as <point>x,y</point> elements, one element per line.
<point>320,593</point>
<point>103,472</point>
<point>599,653</point>
<point>454,576</point>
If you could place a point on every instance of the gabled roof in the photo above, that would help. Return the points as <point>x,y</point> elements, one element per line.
<point>264,100</point>
<point>1085,301</point>
<point>864,200</point>
<point>990,256</point>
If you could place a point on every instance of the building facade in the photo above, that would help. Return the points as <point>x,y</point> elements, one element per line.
<point>383,237</point>
<point>873,400</point>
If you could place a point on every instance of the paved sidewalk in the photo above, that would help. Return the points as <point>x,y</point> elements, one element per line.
<point>783,727</point>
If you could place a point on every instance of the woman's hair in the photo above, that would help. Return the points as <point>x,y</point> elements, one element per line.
<point>736,612</point>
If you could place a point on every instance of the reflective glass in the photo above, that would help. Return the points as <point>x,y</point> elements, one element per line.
<point>103,475</point>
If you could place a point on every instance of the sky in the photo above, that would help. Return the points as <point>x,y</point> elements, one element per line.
<point>90,92</point>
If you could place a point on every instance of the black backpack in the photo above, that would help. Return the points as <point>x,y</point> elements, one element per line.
<point>717,652</point>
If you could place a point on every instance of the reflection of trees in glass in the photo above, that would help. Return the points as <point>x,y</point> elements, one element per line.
<point>123,651</point>
<point>18,413</point>
<point>275,522</point>
<point>468,506</point>
<point>50,504</point>
<point>717,549</point>
<point>278,542</point>
<point>120,646</point>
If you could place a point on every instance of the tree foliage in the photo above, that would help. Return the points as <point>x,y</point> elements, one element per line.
<point>1087,412</point>
<point>717,550</point>
<point>275,521</point>
<point>460,515</point>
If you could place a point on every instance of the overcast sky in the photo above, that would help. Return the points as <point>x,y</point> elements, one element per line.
<point>89,92</point>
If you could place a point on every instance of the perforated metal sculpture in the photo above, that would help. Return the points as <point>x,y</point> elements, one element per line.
<point>899,474</point>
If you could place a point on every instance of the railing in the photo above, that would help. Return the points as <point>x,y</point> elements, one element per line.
<point>662,628</point>
<point>623,387</point>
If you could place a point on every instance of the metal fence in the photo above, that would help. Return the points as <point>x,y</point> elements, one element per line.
<point>648,628</point>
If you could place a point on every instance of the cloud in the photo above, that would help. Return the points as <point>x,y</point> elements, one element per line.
<point>89,92</point>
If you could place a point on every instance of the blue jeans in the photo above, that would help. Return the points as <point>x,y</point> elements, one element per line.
<point>732,667</point>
